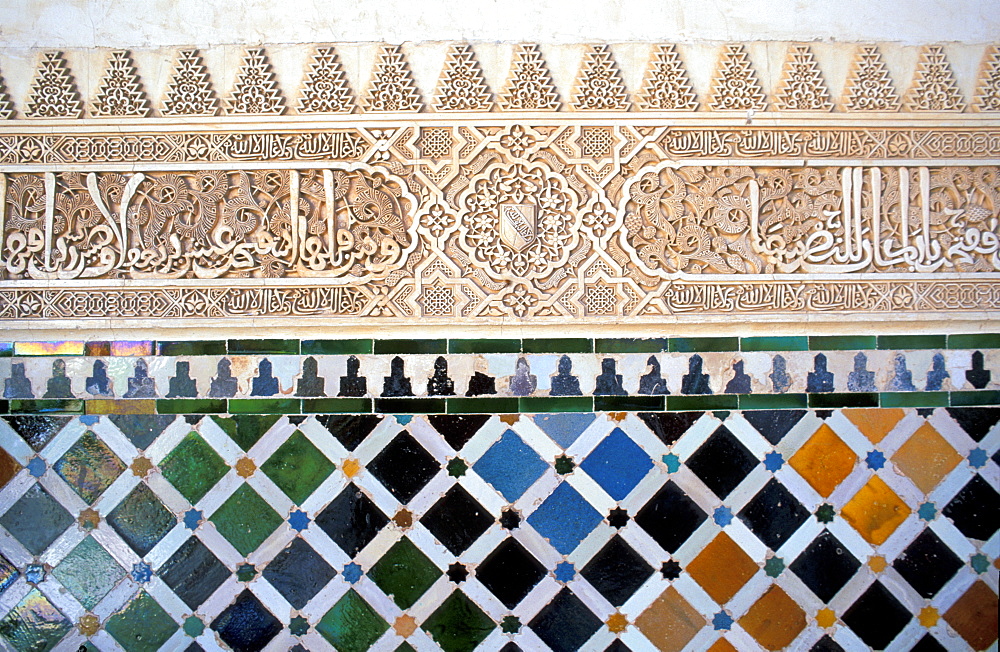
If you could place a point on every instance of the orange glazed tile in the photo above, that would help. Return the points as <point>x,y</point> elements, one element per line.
<point>8,467</point>
<point>928,617</point>
<point>405,625</point>
<point>670,622</point>
<point>875,423</point>
<point>826,618</point>
<point>774,620</point>
<point>877,563</point>
<point>350,467</point>
<point>722,645</point>
<point>824,460</point>
<point>722,568</point>
<point>617,623</point>
<point>974,616</point>
<point>875,511</point>
<point>926,458</point>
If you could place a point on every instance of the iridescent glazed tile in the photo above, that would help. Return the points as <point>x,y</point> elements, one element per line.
<point>89,466</point>
<point>68,347</point>
<point>34,624</point>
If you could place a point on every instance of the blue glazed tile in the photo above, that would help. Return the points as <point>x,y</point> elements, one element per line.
<point>511,466</point>
<point>618,464</point>
<point>564,429</point>
<point>565,518</point>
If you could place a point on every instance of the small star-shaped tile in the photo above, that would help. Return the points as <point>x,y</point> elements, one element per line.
<point>774,566</point>
<point>89,518</point>
<point>722,620</point>
<point>141,572</point>
<point>978,458</point>
<point>618,518</point>
<point>510,519</point>
<point>457,467</point>
<point>927,511</point>
<point>352,572</point>
<point>670,570</point>
<point>298,520</point>
<point>37,466</point>
<point>617,623</point>
<point>979,562</point>
<point>405,625</point>
<point>457,573</point>
<point>35,573</point>
<point>141,466</point>
<point>298,626</point>
<point>877,563</point>
<point>773,461</point>
<point>722,516</point>
<point>193,518</point>
<point>875,460</point>
<point>245,572</point>
<point>673,463</point>
<point>510,419</point>
<point>351,467</point>
<point>245,467</point>
<point>826,618</point>
<point>88,625</point>
<point>564,465</point>
<point>403,518</point>
<point>825,513</point>
<point>928,617</point>
<point>193,626</point>
<point>510,625</point>
<point>565,572</point>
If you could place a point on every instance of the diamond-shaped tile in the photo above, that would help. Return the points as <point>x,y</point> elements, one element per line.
<point>618,464</point>
<point>34,624</point>
<point>670,622</point>
<point>37,431</point>
<point>193,572</point>
<point>246,625</point>
<point>669,426</point>
<point>722,568</point>
<point>141,519</point>
<point>89,572</point>
<point>458,624</point>
<point>774,514</point>
<point>927,644</point>
<point>975,510</point>
<point>89,466</point>
<point>824,460</point>
<point>877,617</point>
<point>825,566</point>
<point>722,462</point>
<point>404,467</point>
<point>670,517</point>
<point>404,573</point>
<point>142,429</point>
<point>617,571</point>
<point>926,458</point>
<point>774,424</point>
<point>458,429</point>
<point>352,625</point>
<point>826,644</point>
<point>875,511</point>
<point>350,429</point>
<point>298,573</point>
<point>8,573</point>
<point>510,572</point>
<point>457,520</point>
<point>245,520</point>
<point>564,428</point>
<point>565,518</point>
<point>565,623</point>
<point>246,429</point>
<point>976,421</point>
<point>298,467</point>
<point>875,424</point>
<point>8,468</point>
<point>141,625</point>
<point>36,519</point>
<point>511,466</point>
<point>193,467</point>
<point>927,564</point>
<point>974,616</point>
<point>775,620</point>
<point>352,520</point>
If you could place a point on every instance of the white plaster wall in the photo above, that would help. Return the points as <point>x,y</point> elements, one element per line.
<point>137,23</point>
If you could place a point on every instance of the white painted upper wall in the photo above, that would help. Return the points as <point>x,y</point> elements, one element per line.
<point>151,23</point>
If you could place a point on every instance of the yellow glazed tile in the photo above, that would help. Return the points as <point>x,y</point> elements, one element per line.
<point>875,424</point>
<point>926,458</point>
<point>824,460</point>
<point>670,622</point>
<point>722,568</point>
<point>775,620</point>
<point>875,511</point>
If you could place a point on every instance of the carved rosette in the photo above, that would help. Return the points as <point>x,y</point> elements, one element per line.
<point>519,221</point>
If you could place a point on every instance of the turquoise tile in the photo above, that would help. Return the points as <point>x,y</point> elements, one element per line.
<point>703,344</point>
<point>855,400</point>
<point>203,347</point>
<point>410,406</point>
<point>630,345</point>
<point>702,402</point>
<point>911,342</point>
<point>629,403</point>
<point>974,341</point>
<point>555,404</point>
<point>191,406</point>
<point>336,347</point>
<point>263,347</point>
<point>773,401</point>
<point>558,345</point>
<point>399,347</point>
<point>265,406</point>
<point>504,405</point>
<point>484,346</point>
<point>793,343</point>
<point>841,342</point>
<point>913,399</point>
<point>963,399</point>
<point>336,405</point>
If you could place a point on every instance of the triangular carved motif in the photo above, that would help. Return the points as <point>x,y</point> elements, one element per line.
<point>988,90</point>
<point>599,86</point>
<point>530,86</point>
<point>190,89</point>
<point>53,92</point>
<point>325,89</point>
<point>6,106</point>
<point>735,86</point>
<point>869,87</point>
<point>392,87</point>
<point>934,87</point>
<point>256,90</point>
<point>802,87</point>
<point>120,91</point>
<point>462,86</point>
<point>666,87</point>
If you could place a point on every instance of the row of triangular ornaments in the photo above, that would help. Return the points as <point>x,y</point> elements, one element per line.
<point>462,86</point>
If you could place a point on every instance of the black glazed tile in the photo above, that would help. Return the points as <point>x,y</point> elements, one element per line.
<point>976,421</point>
<point>510,572</point>
<point>411,406</point>
<point>458,429</point>
<point>825,566</point>
<point>404,467</point>
<point>826,644</point>
<point>927,564</point>
<point>246,625</point>
<point>351,520</point>
<point>722,462</point>
<point>565,623</point>
<point>774,424</point>
<point>142,429</point>
<point>975,510</point>
<point>457,520</point>
<point>350,429</point>
<point>36,519</point>
<point>37,431</point>
<point>617,571</point>
<point>141,520</point>
<point>928,644</point>
<point>877,617</point>
<point>617,646</point>
<point>193,573</point>
<point>558,345</point>
<point>670,517</point>
<point>669,426</point>
<point>774,514</point>
<point>298,573</point>
<point>383,347</point>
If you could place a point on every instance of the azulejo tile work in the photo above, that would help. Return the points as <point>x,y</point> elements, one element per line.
<point>238,515</point>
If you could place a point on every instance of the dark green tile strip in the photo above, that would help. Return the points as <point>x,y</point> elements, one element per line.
<point>964,399</point>
<point>830,401</point>
<point>913,399</point>
<point>911,342</point>
<point>265,406</point>
<point>629,403</point>
<point>410,405</point>
<point>336,347</point>
<point>558,345</point>
<point>710,402</point>
<point>841,342</point>
<point>336,405</point>
<point>411,346</point>
<point>555,404</point>
<point>482,405</point>
<point>773,401</point>
<point>774,343</point>
<point>274,347</point>
<point>50,406</point>
<point>624,345</point>
<point>484,346</point>
<point>974,341</point>
<point>191,406</point>
<point>212,347</point>
<point>703,344</point>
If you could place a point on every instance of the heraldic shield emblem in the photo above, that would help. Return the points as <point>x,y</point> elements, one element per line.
<point>517,225</point>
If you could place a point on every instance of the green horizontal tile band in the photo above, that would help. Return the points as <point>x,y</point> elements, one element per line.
<point>427,347</point>
<point>773,401</point>
<point>964,399</point>
<point>336,405</point>
<point>703,344</point>
<point>793,343</point>
<point>629,403</point>
<point>703,402</point>
<point>410,406</point>
<point>6,349</point>
<point>974,341</point>
<point>208,347</point>
<point>841,342</point>
<point>484,346</point>
<point>336,347</point>
<point>558,345</point>
<point>46,406</point>
<point>264,347</point>
<point>854,400</point>
<point>913,399</point>
<point>508,405</point>
<point>191,406</point>
<point>630,345</point>
<point>265,406</point>
<point>911,342</point>
<point>547,404</point>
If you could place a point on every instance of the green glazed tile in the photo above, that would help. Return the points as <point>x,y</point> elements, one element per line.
<point>629,403</point>
<point>193,467</point>
<point>34,624</point>
<point>336,405</point>
<point>841,342</point>
<point>352,625</point>
<point>46,406</point>
<point>484,346</point>
<point>247,429</point>
<point>482,405</point>
<point>630,345</point>
<point>558,345</point>
<point>131,406</point>
<point>245,520</point>
<point>6,349</point>
<point>556,404</point>
<point>89,572</point>
<point>410,406</point>
<point>913,399</point>
<point>773,401</point>
<point>911,342</point>
<point>974,341</point>
<point>336,347</point>
<point>191,406</point>
<point>405,573</point>
<point>205,347</point>
<point>142,626</point>
<point>298,467</point>
<point>709,402</point>
<point>263,346</point>
<point>265,406</point>
<point>89,466</point>
<point>792,343</point>
<point>962,399</point>
<point>410,346</point>
<point>458,624</point>
<point>703,344</point>
<point>852,400</point>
